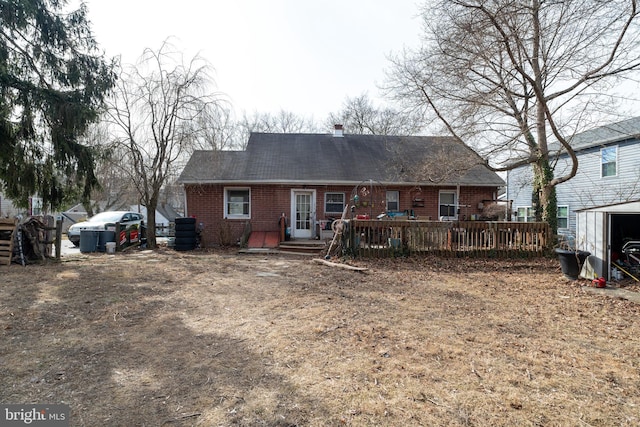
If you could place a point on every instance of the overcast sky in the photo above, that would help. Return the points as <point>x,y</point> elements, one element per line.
<point>296,55</point>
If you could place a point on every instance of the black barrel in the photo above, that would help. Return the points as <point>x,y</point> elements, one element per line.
<point>185,234</point>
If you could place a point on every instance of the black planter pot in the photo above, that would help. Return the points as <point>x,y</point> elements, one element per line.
<point>571,262</point>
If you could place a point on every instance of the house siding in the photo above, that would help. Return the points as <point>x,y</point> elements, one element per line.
<point>587,189</point>
<point>268,202</point>
<point>8,209</point>
<point>519,186</point>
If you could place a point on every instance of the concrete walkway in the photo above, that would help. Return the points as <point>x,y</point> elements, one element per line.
<point>615,293</point>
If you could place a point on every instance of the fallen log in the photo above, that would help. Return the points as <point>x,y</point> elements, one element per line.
<point>335,264</point>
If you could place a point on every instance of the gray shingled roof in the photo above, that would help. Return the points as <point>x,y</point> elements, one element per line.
<point>327,159</point>
<point>607,134</point>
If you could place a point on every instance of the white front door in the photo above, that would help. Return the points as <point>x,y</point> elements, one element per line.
<point>303,213</point>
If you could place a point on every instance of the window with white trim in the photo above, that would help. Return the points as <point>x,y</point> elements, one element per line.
<point>237,203</point>
<point>526,214</point>
<point>448,205</point>
<point>609,161</point>
<point>334,203</point>
<point>35,206</point>
<point>393,201</point>
<point>563,217</point>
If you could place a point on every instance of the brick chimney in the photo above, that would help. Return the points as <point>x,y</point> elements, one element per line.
<point>337,131</point>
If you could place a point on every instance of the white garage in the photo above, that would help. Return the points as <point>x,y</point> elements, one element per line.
<point>603,230</point>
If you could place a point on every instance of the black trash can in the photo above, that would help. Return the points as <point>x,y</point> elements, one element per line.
<point>88,240</point>
<point>571,262</point>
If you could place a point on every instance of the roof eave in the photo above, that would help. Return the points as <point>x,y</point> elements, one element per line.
<point>344,182</point>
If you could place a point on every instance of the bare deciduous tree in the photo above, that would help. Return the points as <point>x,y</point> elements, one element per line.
<point>510,77</point>
<point>360,116</point>
<point>220,129</point>
<point>281,122</point>
<point>159,113</point>
<point>114,190</point>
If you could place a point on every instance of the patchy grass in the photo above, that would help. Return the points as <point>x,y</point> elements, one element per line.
<point>179,339</point>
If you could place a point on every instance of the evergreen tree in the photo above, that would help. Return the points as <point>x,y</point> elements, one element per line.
<point>52,85</point>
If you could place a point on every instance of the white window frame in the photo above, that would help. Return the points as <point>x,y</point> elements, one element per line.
<point>614,161</point>
<point>395,198</point>
<point>333,203</point>
<point>455,205</point>
<point>228,215</point>
<point>35,206</point>
<point>530,214</point>
<point>558,217</point>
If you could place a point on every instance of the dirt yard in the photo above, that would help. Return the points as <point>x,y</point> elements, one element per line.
<point>219,339</point>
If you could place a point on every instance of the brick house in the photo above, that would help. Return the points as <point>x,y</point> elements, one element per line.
<point>312,178</point>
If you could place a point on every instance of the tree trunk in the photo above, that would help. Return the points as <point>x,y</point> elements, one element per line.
<point>544,194</point>
<point>550,212</point>
<point>88,207</point>
<point>151,223</point>
<point>544,191</point>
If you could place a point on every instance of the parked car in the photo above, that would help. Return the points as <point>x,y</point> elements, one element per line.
<point>104,221</point>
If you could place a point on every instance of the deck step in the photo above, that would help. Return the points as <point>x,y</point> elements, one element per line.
<point>310,247</point>
<point>302,247</point>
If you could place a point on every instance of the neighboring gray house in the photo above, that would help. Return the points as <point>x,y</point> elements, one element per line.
<point>9,210</point>
<point>608,173</point>
<point>601,203</point>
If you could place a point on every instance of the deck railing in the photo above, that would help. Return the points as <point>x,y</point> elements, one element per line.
<point>389,237</point>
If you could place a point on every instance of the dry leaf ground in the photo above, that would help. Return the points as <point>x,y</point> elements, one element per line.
<point>209,339</point>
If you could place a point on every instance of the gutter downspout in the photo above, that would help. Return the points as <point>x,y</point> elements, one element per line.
<point>458,210</point>
<point>184,196</point>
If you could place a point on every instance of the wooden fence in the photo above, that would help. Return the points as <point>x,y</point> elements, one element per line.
<point>7,230</point>
<point>385,238</point>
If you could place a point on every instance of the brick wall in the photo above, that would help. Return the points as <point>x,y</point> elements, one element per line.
<point>268,202</point>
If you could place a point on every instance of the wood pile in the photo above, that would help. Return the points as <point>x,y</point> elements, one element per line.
<point>30,240</point>
<point>37,238</point>
<point>7,233</point>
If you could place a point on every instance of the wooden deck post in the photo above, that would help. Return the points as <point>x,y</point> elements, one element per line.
<point>283,227</point>
<point>58,240</point>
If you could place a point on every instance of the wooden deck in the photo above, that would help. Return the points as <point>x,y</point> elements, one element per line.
<point>396,237</point>
<point>383,238</point>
